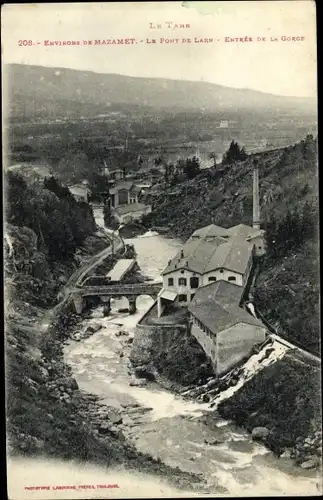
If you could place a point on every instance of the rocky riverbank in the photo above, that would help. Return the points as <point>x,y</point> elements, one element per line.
<point>276,397</point>
<point>47,414</point>
<point>173,357</point>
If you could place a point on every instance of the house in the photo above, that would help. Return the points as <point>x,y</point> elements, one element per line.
<point>212,253</point>
<point>133,211</point>
<point>224,124</point>
<point>124,193</point>
<point>226,332</point>
<point>80,192</point>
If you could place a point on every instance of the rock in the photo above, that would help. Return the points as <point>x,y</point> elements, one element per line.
<point>286,454</point>
<point>309,464</point>
<point>138,382</point>
<point>95,327</point>
<point>115,418</point>
<point>121,354</point>
<point>129,341</point>
<point>213,442</point>
<point>259,432</point>
<point>104,428</point>
<point>206,398</point>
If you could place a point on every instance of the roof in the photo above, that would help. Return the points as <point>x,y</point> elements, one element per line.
<point>233,255</point>
<point>127,185</point>
<point>79,190</point>
<point>131,207</point>
<point>244,231</point>
<point>121,267</point>
<point>136,189</point>
<point>168,295</point>
<point>202,255</point>
<point>210,231</point>
<point>217,306</point>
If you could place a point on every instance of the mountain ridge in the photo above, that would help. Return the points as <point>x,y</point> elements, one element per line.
<point>41,84</point>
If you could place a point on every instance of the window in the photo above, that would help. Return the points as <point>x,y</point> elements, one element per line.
<point>212,278</point>
<point>194,282</point>
<point>192,296</point>
<point>259,248</point>
<point>182,272</point>
<point>182,297</point>
<point>221,270</point>
<point>182,282</point>
<point>170,281</point>
<point>231,278</point>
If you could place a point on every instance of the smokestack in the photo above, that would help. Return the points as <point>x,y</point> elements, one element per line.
<point>256,208</point>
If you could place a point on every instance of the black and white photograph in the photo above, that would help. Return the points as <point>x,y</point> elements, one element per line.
<point>161,250</point>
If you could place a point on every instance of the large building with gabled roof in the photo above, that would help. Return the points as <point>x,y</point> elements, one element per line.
<point>212,253</point>
<point>225,331</point>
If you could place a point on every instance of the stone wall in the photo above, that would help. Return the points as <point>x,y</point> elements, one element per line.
<point>152,339</point>
<point>171,352</point>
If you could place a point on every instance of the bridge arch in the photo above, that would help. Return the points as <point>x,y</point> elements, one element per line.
<point>104,294</point>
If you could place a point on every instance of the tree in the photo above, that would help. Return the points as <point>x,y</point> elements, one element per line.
<point>99,186</point>
<point>234,154</point>
<point>107,213</point>
<point>192,167</point>
<point>212,156</point>
<point>15,196</point>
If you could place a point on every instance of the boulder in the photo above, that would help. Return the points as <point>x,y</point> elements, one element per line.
<point>259,432</point>
<point>104,428</point>
<point>95,327</point>
<point>286,454</point>
<point>309,464</point>
<point>213,442</point>
<point>138,382</point>
<point>115,417</point>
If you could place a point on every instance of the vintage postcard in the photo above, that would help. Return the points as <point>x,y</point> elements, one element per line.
<point>161,249</point>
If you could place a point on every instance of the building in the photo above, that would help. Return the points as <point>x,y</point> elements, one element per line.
<point>211,254</point>
<point>226,332</point>
<point>209,276</point>
<point>124,193</point>
<point>224,124</point>
<point>133,211</point>
<point>80,192</point>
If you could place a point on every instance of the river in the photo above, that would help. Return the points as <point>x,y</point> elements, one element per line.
<point>172,428</point>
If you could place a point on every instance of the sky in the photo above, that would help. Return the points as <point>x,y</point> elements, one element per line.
<point>274,66</point>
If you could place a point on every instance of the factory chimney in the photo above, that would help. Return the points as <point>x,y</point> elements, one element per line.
<point>256,208</point>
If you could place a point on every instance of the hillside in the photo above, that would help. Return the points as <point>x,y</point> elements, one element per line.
<point>36,91</point>
<point>287,286</point>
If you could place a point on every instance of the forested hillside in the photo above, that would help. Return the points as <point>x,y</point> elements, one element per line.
<point>287,286</point>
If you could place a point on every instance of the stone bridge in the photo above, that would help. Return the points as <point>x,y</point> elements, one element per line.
<point>106,293</point>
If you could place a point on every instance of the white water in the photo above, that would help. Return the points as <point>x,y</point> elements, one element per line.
<point>254,364</point>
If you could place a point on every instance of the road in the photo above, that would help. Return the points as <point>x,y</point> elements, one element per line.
<point>79,274</point>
